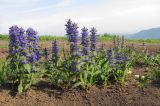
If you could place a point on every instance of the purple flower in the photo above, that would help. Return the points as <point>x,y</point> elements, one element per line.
<point>74,49</point>
<point>32,38</point>
<point>17,39</point>
<point>122,41</point>
<point>33,58</point>
<point>23,53</point>
<point>24,62</point>
<point>111,57</point>
<point>119,56</point>
<point>24,45</point>
<point>74,66</point>
<point>85,41</point>
<point>93,39</point>
<point>55,48</point>
<point>12,52</point>
<point>69,28</point>
<point>86,50</point>
<point>38,55</point>
<point>78,55</point>
<point>72,31</point>
<point>31,34</point>
<point>13,33</point>
<point>74,35</point>
<point>46,54</point>
<point>22,38</point>
<point>18,44</point>
<point>128,57</point>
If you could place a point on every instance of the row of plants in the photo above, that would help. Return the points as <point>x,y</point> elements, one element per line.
<point>82,65</point>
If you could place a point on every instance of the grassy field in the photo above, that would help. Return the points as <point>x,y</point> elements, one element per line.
<point>157,41</point>
<point>105,37</point>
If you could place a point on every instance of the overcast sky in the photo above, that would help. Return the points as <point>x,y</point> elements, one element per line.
<point>49,16</point>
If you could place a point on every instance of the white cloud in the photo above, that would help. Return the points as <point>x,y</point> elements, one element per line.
<point>16,1</point>
<point>64,3</point>
<point>116,16</point>
<point>60,4</point>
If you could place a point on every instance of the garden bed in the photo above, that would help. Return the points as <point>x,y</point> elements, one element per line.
<point>113,95</point>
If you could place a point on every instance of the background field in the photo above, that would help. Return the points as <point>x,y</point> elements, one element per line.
<point>45,42</point>
<point>105,37</point>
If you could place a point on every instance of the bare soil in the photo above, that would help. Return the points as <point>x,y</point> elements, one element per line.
<point>3,48</point>
<point>113,95</point>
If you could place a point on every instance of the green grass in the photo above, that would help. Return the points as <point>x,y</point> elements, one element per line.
<point>155,41</point>
<point>105,37</point>
<point>50,38</point>
<point>41,38</point>
<point>3,46</point>
<point>4,37</point>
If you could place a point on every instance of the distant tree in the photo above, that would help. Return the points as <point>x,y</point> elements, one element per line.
<point>106,35</point>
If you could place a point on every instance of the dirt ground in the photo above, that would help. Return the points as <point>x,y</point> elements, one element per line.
<point>113,95</point>
<point>3,48</point>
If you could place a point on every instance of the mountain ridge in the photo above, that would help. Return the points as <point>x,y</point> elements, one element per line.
<point>152,33</point>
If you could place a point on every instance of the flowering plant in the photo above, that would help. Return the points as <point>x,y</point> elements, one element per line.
<point>23,55</point>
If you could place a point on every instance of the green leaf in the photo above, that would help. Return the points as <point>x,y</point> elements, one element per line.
<point>20,88</point>
<point>96,73</point>
<point>27,67</point>
<point>102,76</point>
<point>104,63</point>
<point>77,84</point>
<point>27,86</point>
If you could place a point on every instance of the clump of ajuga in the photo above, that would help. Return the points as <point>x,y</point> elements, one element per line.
<point>73,61</point>
<point>119,60</point>
<point>77,59</point>
<point>60,71</point>
<point>23,55</point>
<point>89,50</point>
<point>85,65</point>
<point>55,51</point>
<point>55,73</point>
<point>74,47</point>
